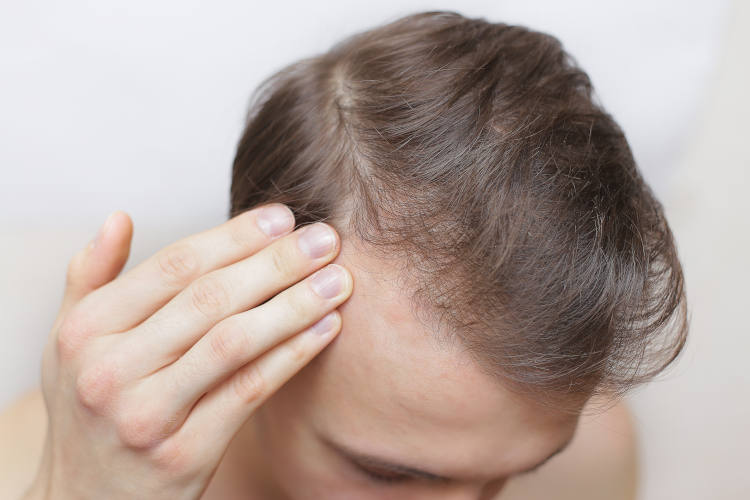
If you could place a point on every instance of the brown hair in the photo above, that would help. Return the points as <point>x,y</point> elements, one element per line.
<point>475,154</point>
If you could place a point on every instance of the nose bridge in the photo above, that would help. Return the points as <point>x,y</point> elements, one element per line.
<point>475,491</point>
<point>462,493</point>
<point>489,491</point>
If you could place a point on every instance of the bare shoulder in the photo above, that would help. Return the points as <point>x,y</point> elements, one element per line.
<point>601,462</point>
<point>23,425</point>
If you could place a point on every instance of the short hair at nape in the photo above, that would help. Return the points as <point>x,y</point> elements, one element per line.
<point>476,155</point>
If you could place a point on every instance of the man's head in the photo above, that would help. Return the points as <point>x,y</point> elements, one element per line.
<point>474,156</point>
<point>385,393</point>
<point>472,160</point>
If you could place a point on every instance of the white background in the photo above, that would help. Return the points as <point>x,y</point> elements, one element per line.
<point>138,106</point>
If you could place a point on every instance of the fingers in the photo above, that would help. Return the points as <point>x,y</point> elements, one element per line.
<point>243,337</point>
<point>226,407</point>
<point>174,328</point>
<point>137,294</point>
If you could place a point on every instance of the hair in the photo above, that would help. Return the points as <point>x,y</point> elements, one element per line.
<point>477,156</point>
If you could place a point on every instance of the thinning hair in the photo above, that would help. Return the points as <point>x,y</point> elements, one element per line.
<point>476,155</point>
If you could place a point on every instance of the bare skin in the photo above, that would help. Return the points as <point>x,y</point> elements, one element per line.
<point>381,387</point>
<point>600,462</point>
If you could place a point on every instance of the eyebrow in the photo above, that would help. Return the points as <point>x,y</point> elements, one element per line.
<point>364,460</point>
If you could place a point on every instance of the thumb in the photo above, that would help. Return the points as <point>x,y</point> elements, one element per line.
<point>101,261</point>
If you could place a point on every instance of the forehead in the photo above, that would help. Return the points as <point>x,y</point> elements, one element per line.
<point>386,382</point>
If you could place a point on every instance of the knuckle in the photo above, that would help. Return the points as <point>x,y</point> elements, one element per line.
<point>279,260</point>
<point>178,262</point>
<point>298,352</point>
<point>210,296</point>
<point>173,458</point>
<point>239,233</point>
<point>141,428</point>
<point>73,331</point>
<point>249,384</point>
<point>296,306</point>
<point>228,342</point>
<point>67,345</point>
<point>96,385</point>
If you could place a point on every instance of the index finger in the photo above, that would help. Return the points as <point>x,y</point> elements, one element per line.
<point>134,296</point>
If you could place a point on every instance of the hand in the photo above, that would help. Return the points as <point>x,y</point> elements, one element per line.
<point>147,376</point>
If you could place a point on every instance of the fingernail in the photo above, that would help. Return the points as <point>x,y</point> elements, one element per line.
<point>316,240</point>
<point>103,229</point>
<point>325,325</point>
<point>328,282</point>
<point>274,219</point>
